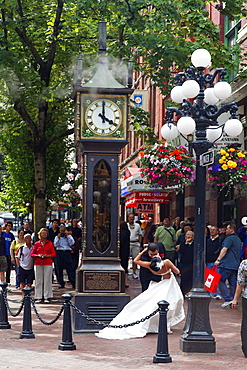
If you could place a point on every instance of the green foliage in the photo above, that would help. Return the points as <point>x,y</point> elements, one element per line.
<point>40,41</point>
<point>232,9</point>
<point>139,119</point>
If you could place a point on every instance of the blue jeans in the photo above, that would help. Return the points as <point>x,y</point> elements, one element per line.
<point>209,265</point>
<point>231,276</point>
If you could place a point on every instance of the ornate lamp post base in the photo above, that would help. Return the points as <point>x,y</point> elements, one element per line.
<point>197,336</point>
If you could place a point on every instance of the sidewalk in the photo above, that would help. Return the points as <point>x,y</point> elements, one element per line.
<point>93,353</point>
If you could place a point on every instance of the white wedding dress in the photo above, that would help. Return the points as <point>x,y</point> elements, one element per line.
<point>143,305</point>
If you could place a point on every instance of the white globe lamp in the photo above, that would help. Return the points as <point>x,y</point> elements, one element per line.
<point>201,58</point>
<point>177,95</point>
<point>209,96</point>
<point>222,90</point>
<point>233,127</point>
<point>190,88</point>
<point>214,133</point>
<point>186,125</point>
<point>169,132</point>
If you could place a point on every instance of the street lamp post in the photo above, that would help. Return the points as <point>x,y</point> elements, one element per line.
<point>201,116</point>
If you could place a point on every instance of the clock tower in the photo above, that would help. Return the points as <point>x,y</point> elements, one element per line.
<point>101,131</point>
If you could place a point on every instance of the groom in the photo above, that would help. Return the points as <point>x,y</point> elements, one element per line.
<point>146,275</point>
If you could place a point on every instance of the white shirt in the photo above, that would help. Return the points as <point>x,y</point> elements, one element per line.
<point>135,231</point>
<point>64,243</point>
<point>26,261</point>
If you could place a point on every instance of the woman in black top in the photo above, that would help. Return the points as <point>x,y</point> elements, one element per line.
<point>186,250</point>
<point>124,248</point>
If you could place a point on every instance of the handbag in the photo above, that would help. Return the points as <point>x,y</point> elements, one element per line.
<point>212,279</point>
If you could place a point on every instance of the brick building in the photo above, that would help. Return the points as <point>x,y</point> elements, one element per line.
<point>218,208</point>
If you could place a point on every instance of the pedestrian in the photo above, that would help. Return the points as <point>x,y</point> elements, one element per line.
<point>166,235</point>
<point>43,251</point>
<point>242,234</point>
<point>176,223</point>
<point>76,233</point>
<point>9,238</point>
<point>3,258</point>
<point>26,228</point>
<point>63,243</point>
<point>135,241</point>
<point>228,262</point>
<point>242,289</point>
<point>124,249</point>
<point>53,231</point>
<point>25,263</point>
<point>213,247</point>
<point>15,245</point>
<point>186,250</point>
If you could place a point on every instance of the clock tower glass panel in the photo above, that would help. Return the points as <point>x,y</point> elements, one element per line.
<point>101,206</point>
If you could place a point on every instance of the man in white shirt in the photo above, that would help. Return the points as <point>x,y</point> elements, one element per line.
<point>25,263</point>
<point>135,240</point>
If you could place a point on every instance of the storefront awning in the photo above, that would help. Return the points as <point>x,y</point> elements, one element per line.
<point>133,181</point>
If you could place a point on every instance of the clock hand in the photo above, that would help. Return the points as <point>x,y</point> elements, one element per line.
<point>109,120</point>
<point>102,116</point>
<point>103,108</point>
<point>105,119</point>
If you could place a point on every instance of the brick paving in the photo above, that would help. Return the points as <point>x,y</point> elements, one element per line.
<point>95,353</point>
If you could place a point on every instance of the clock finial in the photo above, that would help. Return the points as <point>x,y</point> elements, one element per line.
<point>102,37</point>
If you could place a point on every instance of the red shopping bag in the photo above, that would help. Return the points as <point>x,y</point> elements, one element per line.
<point>212,278</point>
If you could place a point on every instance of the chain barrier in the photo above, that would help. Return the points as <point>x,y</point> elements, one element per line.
<point>40,318</point>
<point>7,305</point>
<point>77,310</point>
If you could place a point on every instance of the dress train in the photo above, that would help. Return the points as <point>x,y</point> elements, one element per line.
<point>143,305</point>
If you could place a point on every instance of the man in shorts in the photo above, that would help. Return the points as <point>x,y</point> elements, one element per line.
<point>3,258</point>
<point>25,262</point>
<point>135,240</point>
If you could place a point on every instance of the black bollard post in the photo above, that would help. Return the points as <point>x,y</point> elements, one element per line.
<point>4,324</point>
<point>27,318</point>
<point>162,354</point>
<point>67,342</point>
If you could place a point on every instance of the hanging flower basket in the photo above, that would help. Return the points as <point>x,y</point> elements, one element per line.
<point>72,198</point>
<point>229,170</point>
<point>167,166</point>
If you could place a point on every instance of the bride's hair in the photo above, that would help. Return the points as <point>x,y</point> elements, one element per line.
<point>156,264</point>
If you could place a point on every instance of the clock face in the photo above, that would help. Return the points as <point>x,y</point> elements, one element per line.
<point>103,117</point>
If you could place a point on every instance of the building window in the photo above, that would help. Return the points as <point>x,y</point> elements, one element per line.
<point>231,29</point>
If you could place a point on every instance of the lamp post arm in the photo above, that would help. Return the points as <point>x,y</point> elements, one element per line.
<point>212,112</point>
<point>170,113</point>
<point>210,77</point>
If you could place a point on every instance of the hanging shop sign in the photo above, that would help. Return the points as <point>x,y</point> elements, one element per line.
<point>145,197</point>
<point>145,208</point>
<point>133,181</point>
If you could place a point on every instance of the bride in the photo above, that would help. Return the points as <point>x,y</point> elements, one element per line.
<point>146,303</point>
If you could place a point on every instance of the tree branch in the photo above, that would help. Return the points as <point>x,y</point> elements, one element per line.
<point>21,110</point>
<point>54,138</point>
<point>22,34</point>
<point>53,46</point>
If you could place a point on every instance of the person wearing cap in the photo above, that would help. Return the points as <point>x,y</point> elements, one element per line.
<point>25,263</point>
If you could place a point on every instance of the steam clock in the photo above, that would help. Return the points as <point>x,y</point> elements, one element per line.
<point>101,131</point>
